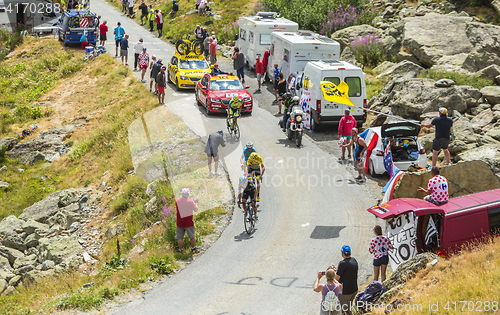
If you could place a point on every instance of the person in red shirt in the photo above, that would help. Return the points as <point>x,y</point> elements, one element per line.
<point>103,30</point>
<point>345,126</point>
<point>213,50</point>
<point>259,71</point>
<point>185,208</point>
<point>380,247</point>
<point>265,60</point>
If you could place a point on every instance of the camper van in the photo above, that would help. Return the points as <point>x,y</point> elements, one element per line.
<point>255,33</point>
<point>292,51</point>
<point>325,112</point>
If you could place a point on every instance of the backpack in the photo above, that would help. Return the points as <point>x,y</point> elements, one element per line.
<point>331,300</point>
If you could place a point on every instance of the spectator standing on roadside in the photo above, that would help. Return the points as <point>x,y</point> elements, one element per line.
<point>360,156</point>
<point>202,10</point>
<point>161,81</point>
<point>239,64</point>
<point>206,47</point>
<point>185,210</point>
<point>175,8</point>
<point>124,49</point>
<point>281,90</point>
<point>212,150</point>
<point>198,4</point>
<point>213,50</point>
<point>277,71</point>
<point>443,126</point>
<point>151,77</point>
<point>137,51</point>
<point>143,63</point>
<point>119,33</point>
<point>346,124</point>
<point>151,18</point>
<point>259,71</point>
<point>328,301</point>
<point>144,12</point>
<point>103,30</point>
<point>159,22</point>
<point>125,6</point>
<point>214,38</point>
<point>198,32</point>
<point>347,275</point>
<point>379,247</point>
<point>155,71</point>
<point>130,7</point>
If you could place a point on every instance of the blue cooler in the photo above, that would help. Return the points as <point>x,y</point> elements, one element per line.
<point>100,48</point>
<point>89,49</point>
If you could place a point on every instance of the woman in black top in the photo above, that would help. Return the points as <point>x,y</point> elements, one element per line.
<point>281,90</point>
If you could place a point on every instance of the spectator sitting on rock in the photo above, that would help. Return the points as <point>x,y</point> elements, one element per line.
<point>437,188</point>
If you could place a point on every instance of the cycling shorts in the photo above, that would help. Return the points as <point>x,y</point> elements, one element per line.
<point>233,112</point>
<point>254,171</point>
<point>248,194</point>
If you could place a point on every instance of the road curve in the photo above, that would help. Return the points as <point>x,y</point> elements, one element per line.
<point>310,207</point>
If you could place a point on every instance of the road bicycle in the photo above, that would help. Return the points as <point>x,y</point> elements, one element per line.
<point>249,216</point>
<point>232,127</point>
<point>186,46</point>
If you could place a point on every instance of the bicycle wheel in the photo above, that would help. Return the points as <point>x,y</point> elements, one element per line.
<point>236,131</point>
<point>197,47</point>
<point>228,124</point>
<point>248,220</point>
<point>182,47</point>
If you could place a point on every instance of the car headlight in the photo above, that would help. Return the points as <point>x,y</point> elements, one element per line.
<point>214,100</point>
<point>183,77</point>
<point>248,99</point>
<point>298,118</point>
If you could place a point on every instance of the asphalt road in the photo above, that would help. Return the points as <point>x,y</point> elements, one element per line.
<point>310,207</point>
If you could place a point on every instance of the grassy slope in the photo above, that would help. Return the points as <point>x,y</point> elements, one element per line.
<point>110,99</point>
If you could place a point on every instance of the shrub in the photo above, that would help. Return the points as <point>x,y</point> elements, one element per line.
<point>368,50</point>
<point>338,19</point>
<point>458,77</point>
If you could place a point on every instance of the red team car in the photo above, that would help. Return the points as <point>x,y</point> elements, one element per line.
<point>215,92</point>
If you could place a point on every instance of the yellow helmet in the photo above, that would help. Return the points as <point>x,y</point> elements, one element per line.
<point>236,98</point>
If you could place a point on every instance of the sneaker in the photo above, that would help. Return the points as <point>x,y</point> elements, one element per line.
<point>195,250</point>
<point>362,180</point>
<point>143,81</point>
<point>283,129</point>
<point>275,102</point>
<point>216,174</point>
<point>256,217</point>
<point>126,64</point>
<point>180,250</point>
<point>135,69</point>
<point>155,93</point>
<point>359,177</point>
<point>258,90</point>
<point>150,90</point>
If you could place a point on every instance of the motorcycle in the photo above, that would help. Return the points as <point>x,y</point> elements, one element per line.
<point>296,127</point>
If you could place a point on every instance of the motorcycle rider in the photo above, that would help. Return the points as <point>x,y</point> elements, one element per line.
<point>295,102</point>
<point>234,110</point>
<point>247,186</point>
<point>287,101</point>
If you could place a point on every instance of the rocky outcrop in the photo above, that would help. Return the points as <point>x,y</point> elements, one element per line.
<point>344,35</point>
<point>402,67</point>
<point>8,143</point>
<point>491,94</point>
<point>462,178</point>
<point>47,235</point>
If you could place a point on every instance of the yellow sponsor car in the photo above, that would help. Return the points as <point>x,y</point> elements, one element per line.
<point>186,70</point>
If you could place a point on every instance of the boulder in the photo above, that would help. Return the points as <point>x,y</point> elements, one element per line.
<point>408,270</point>
<point>457,146</point>
<point>48,264</point>
<point>4,263</point>
<point>58,248</point>
<point>486,40</point>
<point>31,226</point>
<point>463,131</point>
<point>481,120</point>
<point>444,83</point>
<point>460,62</point>
<point>31,240</point>
<point>24,269</point>
<point>10,291</point>
<point>348,55</point>
<point>426,142</point>
<point>470,94</point>
<point>491,94</point>
<point>67,197</point>
<point>46,142</point>
<point>497,79</point>
<point>10,226</point>
<point>490,73</point>
<point>6,274</point>
<point>4,184</point>
<point>428,46</point>
<point>42,210</point>
<point>404,66</point>
<point>383,66</point>
<point>8,142</point>
<point>391,46</point>
<point>489,153</point>
<point>344,35</point>
<point>15,281</point>
<point>11,254</point>
<point>31,158</point>
<point>494,133</point>
<point>462,179</point>
<point>25,261</point>
<point>151,206</point>
<point>14,241</point>
<point>404,56</point>
<point>3,285</point>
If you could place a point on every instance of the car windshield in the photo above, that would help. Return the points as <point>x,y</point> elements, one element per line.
<point>217,85</point>
<point>193,64</point>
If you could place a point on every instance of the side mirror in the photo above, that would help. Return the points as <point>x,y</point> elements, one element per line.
<point>247,86</point>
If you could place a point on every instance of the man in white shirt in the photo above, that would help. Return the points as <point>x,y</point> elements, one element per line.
<point>130,7</point>
<point>137,52</point>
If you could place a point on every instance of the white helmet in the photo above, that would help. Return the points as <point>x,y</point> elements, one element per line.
<point>296,98</point>
<point>249,144</point>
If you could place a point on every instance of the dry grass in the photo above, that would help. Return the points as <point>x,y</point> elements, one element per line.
<point>473,277</point>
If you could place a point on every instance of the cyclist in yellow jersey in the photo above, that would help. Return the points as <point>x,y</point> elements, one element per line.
<point>254,164</point>
<point>234,109</point>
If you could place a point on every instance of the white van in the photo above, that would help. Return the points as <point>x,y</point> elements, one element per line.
<point>255,33</point>
<point>292,51</point>
<point>323,112</point>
